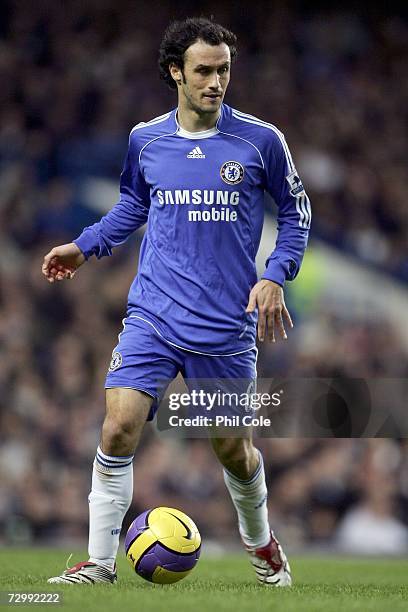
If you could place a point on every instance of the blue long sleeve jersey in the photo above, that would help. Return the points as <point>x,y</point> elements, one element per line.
<point>202,196</point>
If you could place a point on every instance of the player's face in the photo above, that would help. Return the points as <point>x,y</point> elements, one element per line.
<point>204,80</point>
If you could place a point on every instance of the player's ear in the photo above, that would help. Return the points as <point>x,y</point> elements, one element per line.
<point>176,73</point>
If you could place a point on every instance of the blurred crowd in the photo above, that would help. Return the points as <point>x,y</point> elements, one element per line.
<point>75,77</point>
<point>56,343</point>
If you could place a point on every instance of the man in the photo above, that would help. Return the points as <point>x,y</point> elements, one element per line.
<point>197,176</point>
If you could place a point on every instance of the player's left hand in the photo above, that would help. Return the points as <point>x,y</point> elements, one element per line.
<point>268,297</point>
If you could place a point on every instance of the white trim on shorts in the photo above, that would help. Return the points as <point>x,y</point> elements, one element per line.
<point>190,350</point>
<point>119,386</point>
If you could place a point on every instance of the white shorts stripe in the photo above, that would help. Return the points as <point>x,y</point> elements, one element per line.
<point>190,350</point>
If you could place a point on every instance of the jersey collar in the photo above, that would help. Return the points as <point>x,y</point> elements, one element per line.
<point>197,135</point>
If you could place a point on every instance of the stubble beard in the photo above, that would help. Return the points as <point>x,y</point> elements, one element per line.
<point>194,106</point>
<point>203,110</point>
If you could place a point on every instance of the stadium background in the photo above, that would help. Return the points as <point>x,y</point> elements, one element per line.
<point>75,77</point>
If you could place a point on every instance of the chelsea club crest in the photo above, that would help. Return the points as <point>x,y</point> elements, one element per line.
<point>232,172</point>
<point>116,361</point>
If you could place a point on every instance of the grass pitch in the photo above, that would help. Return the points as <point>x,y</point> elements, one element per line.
<point>221,584</point>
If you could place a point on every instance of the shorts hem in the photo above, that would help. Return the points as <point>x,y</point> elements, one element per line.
<point>127,386</point>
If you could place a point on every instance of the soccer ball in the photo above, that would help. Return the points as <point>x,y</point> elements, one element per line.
<point>163,545</point>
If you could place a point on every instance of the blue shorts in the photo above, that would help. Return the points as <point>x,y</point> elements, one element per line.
<point>145,361</point>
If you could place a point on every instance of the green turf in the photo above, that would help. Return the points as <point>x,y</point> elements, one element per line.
<point>219,585</point>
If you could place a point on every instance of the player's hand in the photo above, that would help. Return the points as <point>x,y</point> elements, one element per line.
<point>62,262</point>
<point>267,296</point>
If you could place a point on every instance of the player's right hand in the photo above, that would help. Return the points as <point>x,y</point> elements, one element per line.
<point>62,262</point>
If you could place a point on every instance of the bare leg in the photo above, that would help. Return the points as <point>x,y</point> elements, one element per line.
<point>112,476</point>
<point>237,455</point>
<point>126,414</point>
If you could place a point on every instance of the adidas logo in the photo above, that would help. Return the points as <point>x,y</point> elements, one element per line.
<point>196,153</point>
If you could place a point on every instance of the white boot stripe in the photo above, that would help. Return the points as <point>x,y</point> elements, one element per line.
<point>85,575</point>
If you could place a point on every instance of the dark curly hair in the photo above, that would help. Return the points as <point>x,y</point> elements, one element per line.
<point>180,35</point>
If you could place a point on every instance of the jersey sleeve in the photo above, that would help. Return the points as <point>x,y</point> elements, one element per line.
<point>130,213</point>
<point>294,212</point>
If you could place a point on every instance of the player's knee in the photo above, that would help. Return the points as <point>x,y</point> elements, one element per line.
<point>118,435</point>
<point>236,455</point>
<point>228,449</point>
